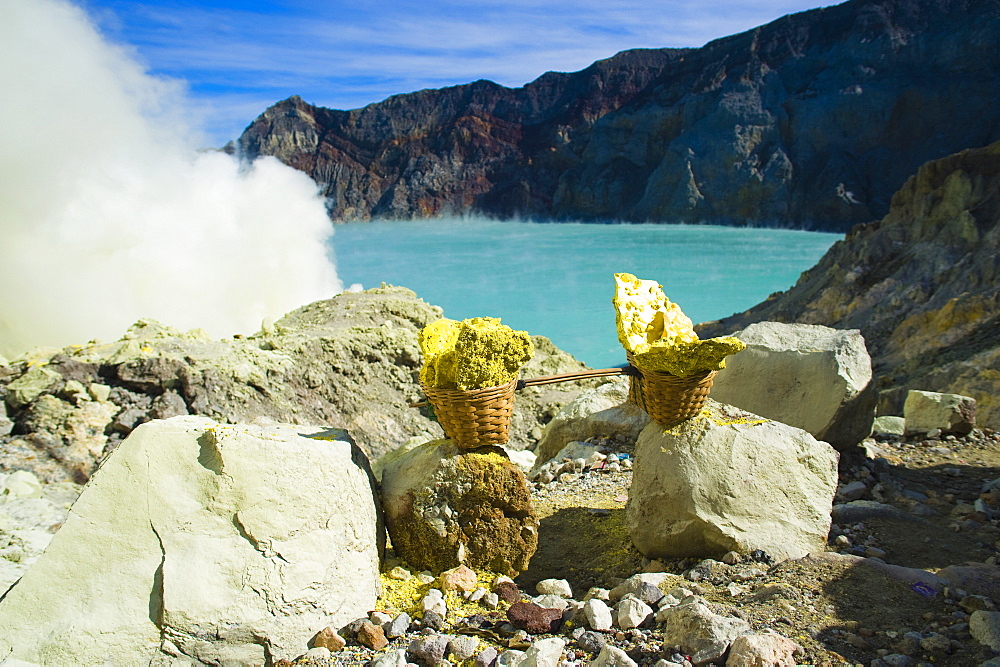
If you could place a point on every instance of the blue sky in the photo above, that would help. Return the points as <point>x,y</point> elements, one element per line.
<point>236,58</point>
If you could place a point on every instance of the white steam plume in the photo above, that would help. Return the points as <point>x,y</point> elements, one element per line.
<point>108,213</point>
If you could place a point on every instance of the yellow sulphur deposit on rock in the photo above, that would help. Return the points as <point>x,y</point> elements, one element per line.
<point>472,354</point>
<point>658,333</point>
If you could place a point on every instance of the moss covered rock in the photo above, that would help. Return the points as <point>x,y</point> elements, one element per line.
<point>445,507</point>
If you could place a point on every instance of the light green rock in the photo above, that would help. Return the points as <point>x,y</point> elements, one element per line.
<point>31,385</point>
<point>924,411</point>
<point>728,480</point>
<point>229,543</point>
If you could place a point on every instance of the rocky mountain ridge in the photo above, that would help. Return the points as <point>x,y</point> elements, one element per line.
<point>921,284</point>
<point>813,120</point>
<point>349,362</point>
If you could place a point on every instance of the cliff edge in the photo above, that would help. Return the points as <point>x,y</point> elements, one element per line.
<point>811,121</point>
<point>922,285</point>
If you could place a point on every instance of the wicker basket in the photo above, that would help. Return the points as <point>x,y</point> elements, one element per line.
<point>475,417</point>
<point>669,399</point>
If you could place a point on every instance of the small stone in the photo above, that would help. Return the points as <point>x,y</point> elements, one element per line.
<point>486,657</point>
<point>731,558</point>
<point>490,601</point>
<point>395,658</point>
<point>897,660</point>
<point>429,650</point>
<point>648,593</point>
<point>764,649</point>
<point>631,612</point>
<point>400,573</point>
<point>433,620</point>
<point>99,392</point>
<point>874,552</point>
<point>329,639</point>
<point>551,602</point>
<point>425,577</point>
<point>855,490</point>
<point>398,626</point>
<point>534,619</point>
<point>461,578</point>
<point>935,643</point>
<point>591,642</point>
<point>507,591</point>
<point>612,656</point>
<point>558,587</point>
<point>379,617</point>
<point>971,603</point>
<point>544,652</point>
<point>318,653</point>
<point>372,636</point>
<point>597,615</point>
<point>597,593</point>
<point>984,626</point>
<point>477,595</point>
<point>434,601</point>
<point>350,631</point>
<point>510,658</point>
<point>462,647</point>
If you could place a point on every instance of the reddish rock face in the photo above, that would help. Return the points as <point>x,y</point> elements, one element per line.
<point>534,619</point>
<point>814,119</point>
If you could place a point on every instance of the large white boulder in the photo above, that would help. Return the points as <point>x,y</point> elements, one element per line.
<point>599,411</point>
<point>197,540</point>
<point>925,411</point>
<point>728,480</point>
<point>808,376</point>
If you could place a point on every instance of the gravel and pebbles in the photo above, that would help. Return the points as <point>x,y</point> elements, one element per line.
<point>588,598</point>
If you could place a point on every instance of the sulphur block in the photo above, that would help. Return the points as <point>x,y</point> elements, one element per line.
<point>472,354</point>
<point>658,333</point>
<point>437,342</point>
<point>689,358</point>
<point>645,315</point>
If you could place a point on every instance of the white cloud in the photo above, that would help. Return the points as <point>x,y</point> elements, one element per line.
<point>107,212</point>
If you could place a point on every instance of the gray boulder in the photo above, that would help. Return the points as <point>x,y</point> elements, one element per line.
<point>728,480</point>
<point>769,649</point>
<point>925,411</point>
<point>699,631</point>
<point>206,542</point>
<point>812,377</point>
<point>446,506</point>
<point>984,626</point>
<point>599,411</point>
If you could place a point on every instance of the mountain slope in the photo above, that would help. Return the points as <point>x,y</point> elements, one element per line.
<point>922,285</point>
<point>813,120</point>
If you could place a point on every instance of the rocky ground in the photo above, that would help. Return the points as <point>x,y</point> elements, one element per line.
<point>926,505</point>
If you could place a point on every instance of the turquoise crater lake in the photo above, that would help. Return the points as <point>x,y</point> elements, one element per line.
<point>556,279</point>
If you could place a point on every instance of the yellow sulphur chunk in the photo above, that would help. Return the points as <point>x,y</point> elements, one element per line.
<point>645,315</point>
<point>689,358</point>
<point>437,342</point>
<point>658,333</point>
<point>472,354</point>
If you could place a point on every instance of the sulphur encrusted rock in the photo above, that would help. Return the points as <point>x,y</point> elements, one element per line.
<point>658,333</point>
<point>472,354</point>
<point>446,506</point>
